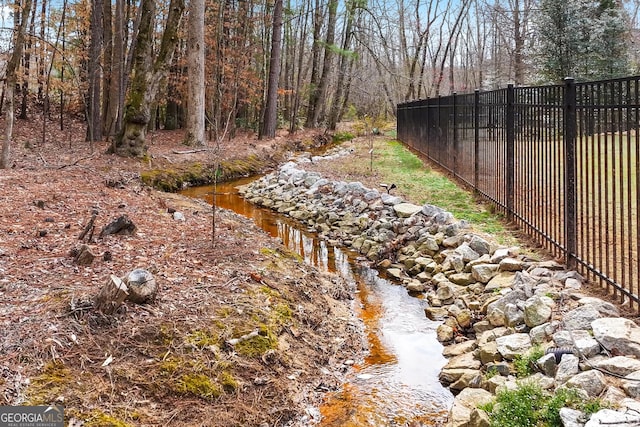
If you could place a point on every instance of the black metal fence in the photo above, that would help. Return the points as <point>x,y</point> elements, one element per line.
<point>562,162</point>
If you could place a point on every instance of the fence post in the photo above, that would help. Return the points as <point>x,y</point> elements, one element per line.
<point>454,111</point>
<point>510,154</point>
<point>570,136</point>
<point>425,127</point>
<point>476,139</point>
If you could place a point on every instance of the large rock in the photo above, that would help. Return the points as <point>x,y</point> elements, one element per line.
<point>500,281</point>
<point>479,418</point>
<point>436,313</point>
<point>496,317</point>
<point>512,345</point>
<point>390,200</point>
<point>547,364</point>
<point>617,335</point>
<point>581,340</point>
<point>492,334</point>
<point>445,333</point>
<point>511,264</point>
<point>446,292</point>
<point>541,333</point>
<point>489,353</point>
<point>465,403</point>
<point>513,316</point>
<point>581,317</point>
<point>466,252</point>
<point>567,368</point>
<point>620,365</point>
<point>610,417</point>
<point>512,297</point>
<point>483,273</point>
<point>537,310</point>
<point>592,382</point>
<point>464,318</point>
<point>460,348</point>
<point>405,210</point>
<point>466,360</point>
<point>605,308</point>
<point>449,376</point>
<point>471,379</point>
<point>430,211</point>
<point>631,384</point>
<point>462,279</point>
<point>572,417</point>
<point>480,245</point>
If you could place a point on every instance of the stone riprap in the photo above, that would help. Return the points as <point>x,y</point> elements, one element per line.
<point>494,303</point>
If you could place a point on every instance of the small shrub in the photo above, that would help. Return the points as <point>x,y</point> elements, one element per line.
<point>491,372</point>
<point>342,136</point>
<point>530,406</point>
<point>525,364</point>
<point>591,406</point>
<point>519,407</point>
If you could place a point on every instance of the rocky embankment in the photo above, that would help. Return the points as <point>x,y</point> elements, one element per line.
<point>496,304</point>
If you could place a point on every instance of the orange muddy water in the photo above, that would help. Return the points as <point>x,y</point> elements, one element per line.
<point>397,383</point>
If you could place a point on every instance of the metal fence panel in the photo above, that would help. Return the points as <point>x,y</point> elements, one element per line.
<point>559,161</point>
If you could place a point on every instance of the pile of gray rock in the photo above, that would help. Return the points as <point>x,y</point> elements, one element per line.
<point>495,303</point>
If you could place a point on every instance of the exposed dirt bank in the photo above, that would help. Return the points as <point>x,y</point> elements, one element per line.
<point>242,332</point>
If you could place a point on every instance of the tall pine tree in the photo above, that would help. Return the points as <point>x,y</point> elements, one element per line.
<point>584,39</point>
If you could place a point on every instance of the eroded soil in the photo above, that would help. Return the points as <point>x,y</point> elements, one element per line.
<point>242,332</point>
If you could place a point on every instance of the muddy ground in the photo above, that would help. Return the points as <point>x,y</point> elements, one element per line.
<point>242,333</point>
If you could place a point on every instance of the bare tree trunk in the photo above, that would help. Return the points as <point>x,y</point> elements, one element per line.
<point>288,63</point>
<point>450,44</point>
<point>11,79</point>
<point>127,67</point>
<point>296,99</point>
<point>94,120</point>
<point>116,82</point>
<point>315,63</point>
<point>43,55</point>
<point>346,59</point>
<point>24,90</point>
<point>195,83</point>
<point>44,82</point>
<point>320,94</point>
<point>519,45</point>
<point>108,70</point>
<point>147,76</point>
<point>270,121</point>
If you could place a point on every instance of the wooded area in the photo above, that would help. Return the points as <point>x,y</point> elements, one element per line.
<point>216,67</point>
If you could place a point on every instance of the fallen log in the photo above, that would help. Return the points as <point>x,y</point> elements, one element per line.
<point>190,151</point>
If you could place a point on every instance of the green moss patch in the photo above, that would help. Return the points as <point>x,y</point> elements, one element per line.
<point>50,384</point>
<point>258,345</point>
<point>100,419</point>
<point>198,385</point>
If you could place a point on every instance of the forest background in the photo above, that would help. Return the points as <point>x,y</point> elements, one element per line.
<point>215,68</point>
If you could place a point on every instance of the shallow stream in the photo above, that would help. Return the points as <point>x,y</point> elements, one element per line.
<point>397,383</point>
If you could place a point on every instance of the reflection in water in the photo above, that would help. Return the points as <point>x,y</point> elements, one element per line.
<point>397,385</point>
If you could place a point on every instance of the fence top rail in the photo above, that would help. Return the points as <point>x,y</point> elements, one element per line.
<point>443,100</point>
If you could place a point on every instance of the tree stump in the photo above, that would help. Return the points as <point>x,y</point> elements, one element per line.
<point>111,296</point>
<point>142,286</point>
<point>84,256</point>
